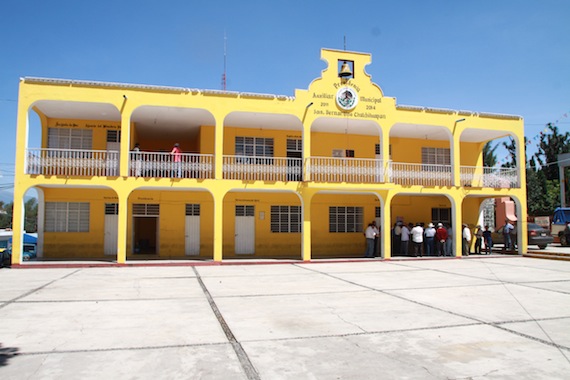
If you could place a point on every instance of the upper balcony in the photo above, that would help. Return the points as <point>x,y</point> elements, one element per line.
<point>90,163</point>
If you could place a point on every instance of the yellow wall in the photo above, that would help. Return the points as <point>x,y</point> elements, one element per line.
<point>324,143</point>
<point>410,150</point>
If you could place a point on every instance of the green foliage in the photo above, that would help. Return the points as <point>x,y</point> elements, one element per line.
<point>542,175</point>
<point>489,155</point>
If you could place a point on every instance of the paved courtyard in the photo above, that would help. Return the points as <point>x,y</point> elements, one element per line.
<point>471,318</point>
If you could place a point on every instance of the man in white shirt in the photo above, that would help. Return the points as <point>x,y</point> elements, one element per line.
<point>466,239</point>
<point>370,234</point>
<point>418,239</point>
<point>405,239</point>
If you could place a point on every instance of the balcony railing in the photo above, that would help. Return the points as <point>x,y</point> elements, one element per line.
<point>72,162</point>
<point>420,174</point>
<point>263,168</point>
<point>166,165</point>
<point>473,176</point>
<point>350,170</point>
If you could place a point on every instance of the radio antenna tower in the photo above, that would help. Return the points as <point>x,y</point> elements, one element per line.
<point>225,54</point>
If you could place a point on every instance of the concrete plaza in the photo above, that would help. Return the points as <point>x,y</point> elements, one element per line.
<point>467,318</point>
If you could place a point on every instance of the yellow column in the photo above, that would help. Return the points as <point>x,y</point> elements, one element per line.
<point>456,158</point>
<point>123,225</point>
<point>307,196</point>
<point>386,233</point>
<point>219,147</point>
<point>218,224</point>
<point>19,177</point>
<point>17,225</point>
<point>125,140</point>
<point>456,223</point>
<point>386,153</point>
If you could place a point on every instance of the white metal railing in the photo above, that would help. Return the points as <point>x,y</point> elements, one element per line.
<point>167,165</point>
<point>479,176</point>
<point>351,170</point>
<point>262,168</point>
<point>72,162</point>
<point>408,174</point>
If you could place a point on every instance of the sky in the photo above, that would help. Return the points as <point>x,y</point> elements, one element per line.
<point>498,56</point>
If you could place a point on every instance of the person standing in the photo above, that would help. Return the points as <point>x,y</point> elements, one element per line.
<point>404,240</point>
<point>440,238</point>
<point>466,235</point>
<point>376,238</point>
<point>417,239</point>
<point>370,234</point>
<point>449,241</point>
<point>478,239</point>
<point>136,157</point>
<point>507,229</point>
<point>177,154</point>
<point>488,240</point>
<point>430,236</point>
<point>397,237</point>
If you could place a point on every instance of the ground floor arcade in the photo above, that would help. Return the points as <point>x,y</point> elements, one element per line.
<point>77,223</point>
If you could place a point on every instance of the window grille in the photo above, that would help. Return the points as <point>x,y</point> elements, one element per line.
<point>242,210</point>
<point>345,219</point>
<point>111,209</point>
<point>192,210</point>
<point>146,209</point>
<point>66,138</point>
<point>436,156</point>
<point>67,217</point>
<point>285,218</point>
<point>441,215</point>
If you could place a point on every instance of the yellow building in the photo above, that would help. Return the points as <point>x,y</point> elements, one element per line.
<point>257,175</point>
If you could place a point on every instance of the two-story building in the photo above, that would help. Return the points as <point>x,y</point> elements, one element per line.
<point>253,175</point>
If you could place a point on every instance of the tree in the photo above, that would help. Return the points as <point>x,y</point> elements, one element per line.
<point>6,214</point>
<point>542,175</point>
<point>31,210</point>
<point>489,156</point>
<point>550,146</point>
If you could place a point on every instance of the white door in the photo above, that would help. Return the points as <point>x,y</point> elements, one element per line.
<point>111,229</point>
<point>245,230</point>
<point>113,149</point>
<point>192,235</point>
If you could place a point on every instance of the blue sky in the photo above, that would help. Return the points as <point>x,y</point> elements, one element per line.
<point>501,56</point>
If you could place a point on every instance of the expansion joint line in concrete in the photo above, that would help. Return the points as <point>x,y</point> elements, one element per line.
<point>36,289</point>
<point>496,325</point>
<point>242,356</point>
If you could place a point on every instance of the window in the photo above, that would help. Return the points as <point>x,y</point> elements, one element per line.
<point>111,209</point>
<point>349,153</point>
<point>113,136</point>
<point>66,138</point>
<point>295,145</point>
<point>146,209</point>
<point>192,210</point>
<point>441,215</point>
<point>378,212</point>
<point>254,147</point>
<point>242,210</point>
<point>285,218</point>
<point>345,219</point>
<point>436,156</point>
<point>67,217</point>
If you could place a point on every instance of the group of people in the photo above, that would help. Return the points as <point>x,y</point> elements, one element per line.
<point>437,240</point>
<point>425,241</point>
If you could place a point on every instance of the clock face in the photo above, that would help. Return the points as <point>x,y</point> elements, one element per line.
<point>346,98</point>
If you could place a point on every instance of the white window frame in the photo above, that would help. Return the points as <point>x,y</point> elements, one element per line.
<point>67,216</point>
<point>346,219</point>
<point>285,219</point>
<point>436,156</point>
<point>70,138</point>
